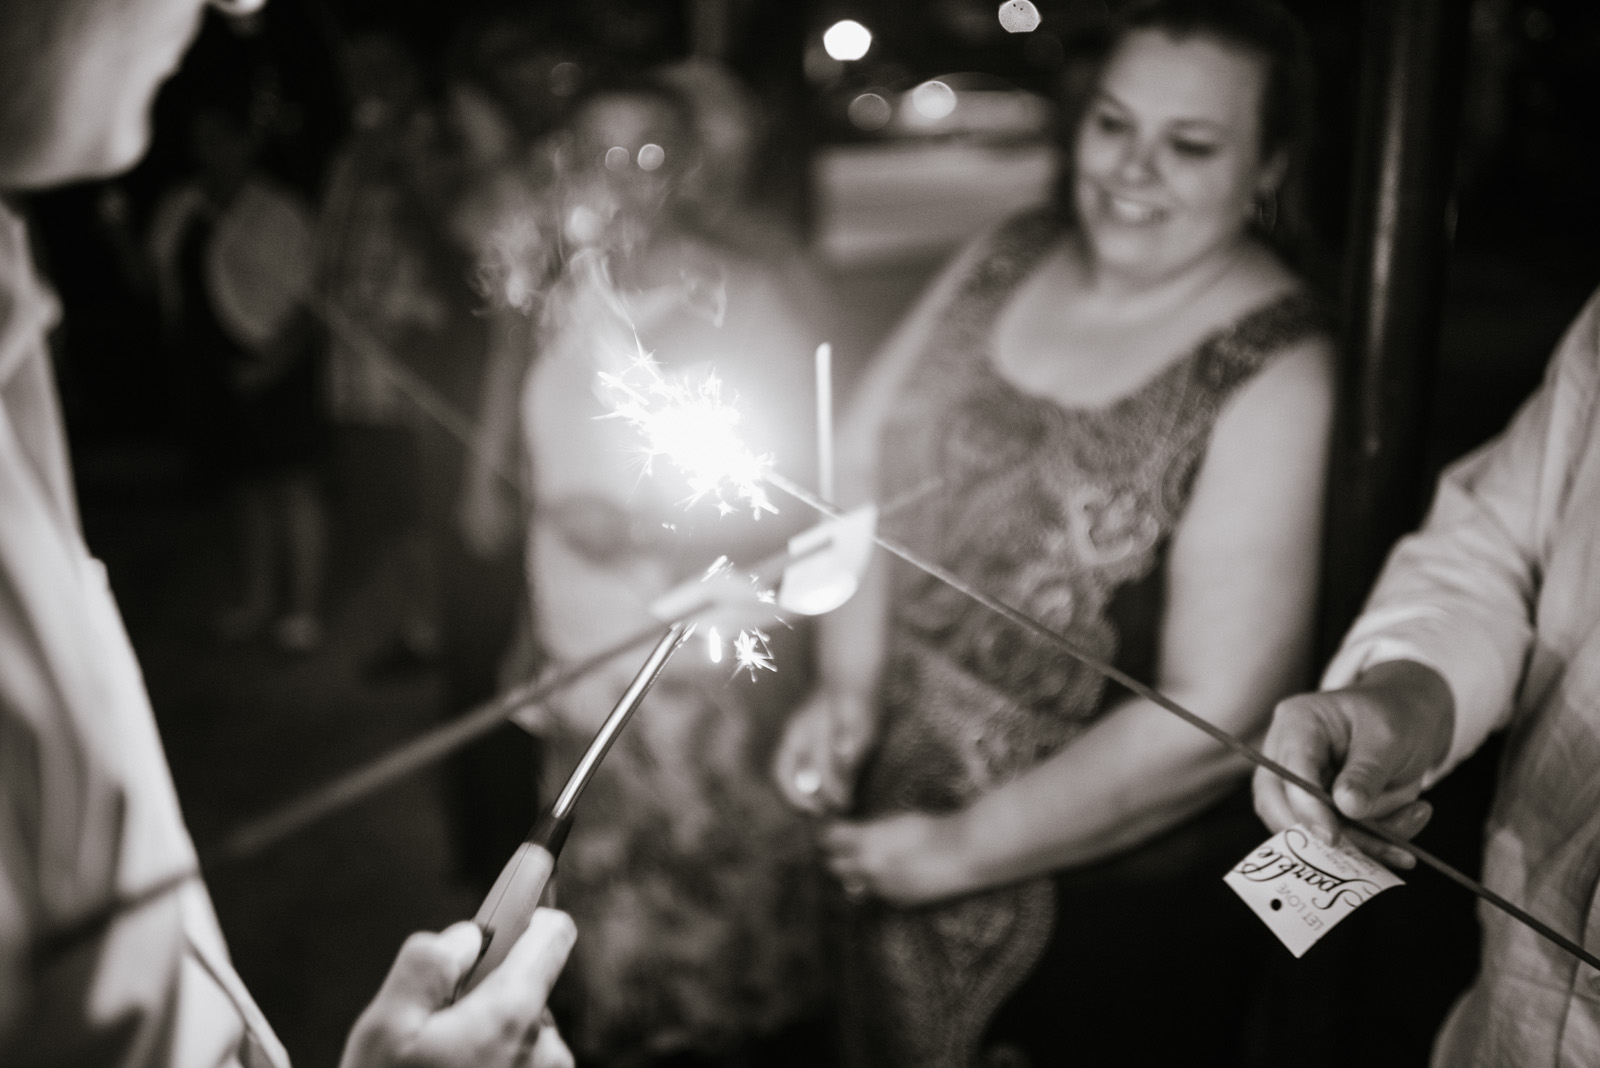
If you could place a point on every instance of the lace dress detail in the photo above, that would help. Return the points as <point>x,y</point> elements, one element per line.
<point>1065,513</point>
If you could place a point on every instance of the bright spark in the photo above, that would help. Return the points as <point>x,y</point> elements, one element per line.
<point>714,645</point>
<point>691,426</point>
<point>751,652</point>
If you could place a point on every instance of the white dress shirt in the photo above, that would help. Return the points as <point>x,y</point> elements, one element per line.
<point>89,820</point>
<point>1500,593</point>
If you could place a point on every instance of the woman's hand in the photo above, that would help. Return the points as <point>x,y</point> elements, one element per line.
<point>907,859</point>
<point>822,747</point>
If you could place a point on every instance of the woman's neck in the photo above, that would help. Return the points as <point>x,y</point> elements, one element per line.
<point>1122,293</point>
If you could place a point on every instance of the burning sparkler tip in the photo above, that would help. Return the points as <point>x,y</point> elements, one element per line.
<point>752,653</point>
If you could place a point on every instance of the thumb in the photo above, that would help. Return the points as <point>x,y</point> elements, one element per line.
<point>430,966</point>
<point>1369,768</point>
<point>531,968</point>
<point>1355,788</point>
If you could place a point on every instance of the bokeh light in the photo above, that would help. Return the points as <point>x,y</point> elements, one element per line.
<point>1019,16</point>
<point>651,157</point>
<point>566,78</point>
<point>870,111</point>
<point>933,100</point>
<point>847,40</point>
<point>616,158</point>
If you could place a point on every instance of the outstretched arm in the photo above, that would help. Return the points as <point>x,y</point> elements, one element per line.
<point>1434,662</point>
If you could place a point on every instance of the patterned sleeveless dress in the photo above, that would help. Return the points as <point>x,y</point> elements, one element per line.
<point>1066,513</point>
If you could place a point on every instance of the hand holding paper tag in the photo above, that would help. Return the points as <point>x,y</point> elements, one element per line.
<point>1301,888</point>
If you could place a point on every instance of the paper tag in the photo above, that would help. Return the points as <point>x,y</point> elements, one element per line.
<point>831,558</point>
<point>1301,888</point>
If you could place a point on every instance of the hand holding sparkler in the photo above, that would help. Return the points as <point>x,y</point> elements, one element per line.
<point>415,1022</point>
<point>1376,740</point>
<point>513,901</point>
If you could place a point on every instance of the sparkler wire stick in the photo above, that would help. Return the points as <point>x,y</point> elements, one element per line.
<point>259,834</point>
<point>426,749</point>
<point>266,831</point>
<point>1156,697</point>
<point>505,913</point>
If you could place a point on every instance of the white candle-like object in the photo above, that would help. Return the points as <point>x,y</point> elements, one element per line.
<point>825,421</point>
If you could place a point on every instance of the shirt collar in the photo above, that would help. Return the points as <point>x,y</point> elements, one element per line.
<point>28,309</point>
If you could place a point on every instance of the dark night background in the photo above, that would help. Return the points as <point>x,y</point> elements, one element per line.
<point>314,923</point>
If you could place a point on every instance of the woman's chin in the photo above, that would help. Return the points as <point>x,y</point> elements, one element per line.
<point>1151,252</point>
<point>1129,251</point>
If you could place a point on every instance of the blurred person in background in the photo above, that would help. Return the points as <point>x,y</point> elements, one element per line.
<point>509,86</point>
<point>409,212</point>
<point>690,877</point>
<point>1127,405</point>
<point>234,260</point>
<point>385,266</point>
<point>110,953</point>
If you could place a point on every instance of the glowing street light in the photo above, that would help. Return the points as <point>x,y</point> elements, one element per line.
<point>847,40</point>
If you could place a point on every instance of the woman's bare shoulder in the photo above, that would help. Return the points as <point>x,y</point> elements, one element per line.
<point>1290,398</point>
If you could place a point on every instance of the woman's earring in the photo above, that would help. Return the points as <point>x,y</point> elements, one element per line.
<point>1267,210</point>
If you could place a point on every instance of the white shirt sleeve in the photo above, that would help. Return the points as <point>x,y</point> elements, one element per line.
<point>1459,595</point>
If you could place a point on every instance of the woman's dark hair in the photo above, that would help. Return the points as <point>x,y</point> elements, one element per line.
<point>1266,30</point>
<point>1262,27</point>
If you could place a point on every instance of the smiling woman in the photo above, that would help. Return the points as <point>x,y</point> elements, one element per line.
<point>1127,413</point>
<point>1169,159</point>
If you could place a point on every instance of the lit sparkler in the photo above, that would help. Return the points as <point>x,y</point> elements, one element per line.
<point>691,426</point>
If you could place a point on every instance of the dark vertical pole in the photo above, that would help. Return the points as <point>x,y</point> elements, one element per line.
<point>1412,65</point>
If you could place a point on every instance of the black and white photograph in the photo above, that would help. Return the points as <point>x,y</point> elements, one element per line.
<point>799,533</point>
